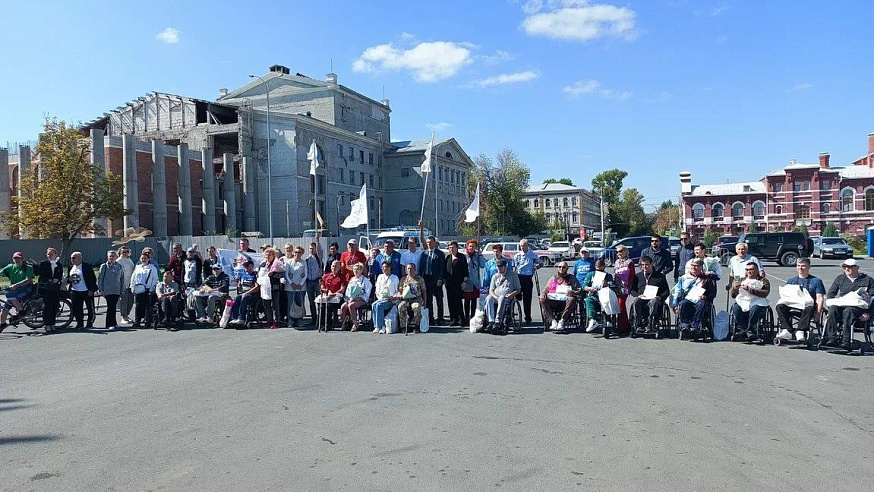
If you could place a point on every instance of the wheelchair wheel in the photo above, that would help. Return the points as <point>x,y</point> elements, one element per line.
<point>632,324</point>
<point>515,317</point>
<point>663,327</point>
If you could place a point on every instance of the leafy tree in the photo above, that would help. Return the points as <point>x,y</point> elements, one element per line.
<point>667,204</point>
<point>709,239</point>
<point>63,194</point>
<point>829,230</point>
<point>665,219</point>
<point>608,184</point>
<point>502,195</point>
<point>858,244</point>
<point>564,181</point>
<point>627,215</point>
<point>753,227</point>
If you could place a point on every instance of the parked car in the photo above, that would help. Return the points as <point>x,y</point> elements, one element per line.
<point>674,244</point>
<point>831,247</point>
<point>593,247</point>
<point>782,247</point>
<point>564,248</point>
<point>635,245</point>
<point>510,249</point>
<point>723,244</point>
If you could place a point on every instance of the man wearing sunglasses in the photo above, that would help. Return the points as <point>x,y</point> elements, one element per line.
<point>662,261</point>
<point>852,280</point>
<point>559,296</point>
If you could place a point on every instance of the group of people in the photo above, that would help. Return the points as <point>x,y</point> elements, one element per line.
<point>405,284</point>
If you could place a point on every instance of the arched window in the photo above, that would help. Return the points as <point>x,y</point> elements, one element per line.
<point>565,201</point>
<point>574,201</point>
<point>847,197</point>
<point>718,210</point>
<point>536,203</point>
<point>737,210</point>
<point>448,155</point>
<point>759,209</point>
<point>527,203</point>
<point>778,209</point>
<point>574,217</point>
<point>869,199</point>
<point>826,207</point>
<point>698,211</point>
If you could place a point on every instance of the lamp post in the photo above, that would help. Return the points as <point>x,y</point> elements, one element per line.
<point>269,166</point>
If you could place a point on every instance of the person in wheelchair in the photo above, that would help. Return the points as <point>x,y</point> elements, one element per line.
<point>651,291</point>
<point>504,289</point>
<point>248,291</point>
<point>169,300</point>
<point>750,302</point>
<point>411,297</point>
<point>595,281</point>
<point>559,296</point>
<point>809,284</point>
<point>844,317</point>
<point>385,292</point>
<point>215,291</point>
<point>692,298</point>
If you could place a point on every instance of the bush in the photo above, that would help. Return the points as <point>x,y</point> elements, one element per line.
<point>829,230</point>
<point>858,244</point>
<point>709,239</point>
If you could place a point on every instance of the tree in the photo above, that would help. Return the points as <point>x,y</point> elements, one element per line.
<point>64,195</point>
<point>709,239</point>
<point>608,184</point>
<point>627,217</point>
<point>667,204</point>
<point>564,181</point>
<point>829,230</point>
<point>753,227</point>
<point>502,195</point>
<point>665,219</point>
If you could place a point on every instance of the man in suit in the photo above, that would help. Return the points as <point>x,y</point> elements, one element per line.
<point>432,267</point>
<point>50,272</point>
<point>83,285</point>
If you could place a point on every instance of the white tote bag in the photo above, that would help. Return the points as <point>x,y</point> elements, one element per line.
<point>609,301</point>
<point>423,323</point>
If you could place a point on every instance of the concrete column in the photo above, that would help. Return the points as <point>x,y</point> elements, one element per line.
<point>185,224</point>
<point>98,158</point>
<point>129,176</point>
<point>23,167</point>
<point>249,191</point>
<point>159,190</point>
<point>230,193</point>
<point>208,190</point>
<point>5,191</point>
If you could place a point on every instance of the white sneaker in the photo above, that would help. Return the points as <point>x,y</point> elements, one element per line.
<point>110,328</point>
<point>376,330</point>
<point>799,336</point>
<point>382,331</point>
<point>560,325</point>
<point>591,327</point>
<point>555,324</point>
<point>784,334</point>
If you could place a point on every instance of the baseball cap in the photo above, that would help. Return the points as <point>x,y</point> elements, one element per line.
<point>847,262</point>
<point>191,250</point>
<point>18,254</point>
<point>351,241</point>
<point>216,267</point>
<point>389,241</point>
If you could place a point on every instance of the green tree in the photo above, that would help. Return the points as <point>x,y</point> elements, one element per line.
<point>667,204</point>
<point>627,217</point>
<point>665,219</point>
<point>63,194</point>
<point>502,195</point>
<point>608,184</point>
<point>709,239</point>
<point>753,227</point>
<point>829,230</point>
<point>564,181</point>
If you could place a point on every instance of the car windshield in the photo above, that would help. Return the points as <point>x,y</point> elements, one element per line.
<point>833,240</point>
<point>560,244</point>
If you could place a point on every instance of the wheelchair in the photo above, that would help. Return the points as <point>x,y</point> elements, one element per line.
<point>176,322</point>
<point>707,324</point>
<point>864,346</point>
<point>572,323</point>
<point>764,329</point>
<point>816,331</point>
<point>662,323</point>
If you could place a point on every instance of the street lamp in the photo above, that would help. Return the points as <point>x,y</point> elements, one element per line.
<point>269,166</point>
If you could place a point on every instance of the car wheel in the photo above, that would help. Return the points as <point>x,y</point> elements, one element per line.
<point>789,258</point>
<point>821,255</point>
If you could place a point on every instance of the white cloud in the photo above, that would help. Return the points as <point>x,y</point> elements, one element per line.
<point>799,88</point>
<point>439,127</point>
<point>429,62</point>
<point>593,87</point>
<point>169,35</point>
<point>506,78</point>
<point>578,20</point>
<point>406,35</point>
<point>500,56</point>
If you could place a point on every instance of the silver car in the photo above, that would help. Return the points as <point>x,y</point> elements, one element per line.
<point>831,247</point>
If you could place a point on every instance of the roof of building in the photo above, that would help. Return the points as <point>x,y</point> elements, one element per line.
<point>403,146</point>
<point>728,188</point>
<point>856,172</point>
<point>551,188</point>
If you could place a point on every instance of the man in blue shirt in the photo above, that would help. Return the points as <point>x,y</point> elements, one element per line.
<point>813,286</point>
<point>526,264</point>
<point>391,256</point>
<point>491,267</point>
<point>583,266</point>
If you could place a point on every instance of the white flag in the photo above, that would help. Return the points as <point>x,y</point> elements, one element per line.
<point>358,214</point>
<point>426,166</point>
<point>472,211</point>
<point>313,156</point>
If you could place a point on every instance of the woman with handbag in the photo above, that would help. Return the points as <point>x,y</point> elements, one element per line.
<point>142,284</point>
<point>295,286</point>
<point>50,272</point>
<point>357,295</point>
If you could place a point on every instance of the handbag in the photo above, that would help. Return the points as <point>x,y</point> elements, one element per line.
<point>141,288</point>
<point>471,294</point>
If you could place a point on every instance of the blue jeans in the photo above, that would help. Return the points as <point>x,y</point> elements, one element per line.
<point>240,302</point>
<point>496,308</point>
<point>312,293</point>
<point>18,293</point>
<point>747,321</point>
<point>693,313</point>
<point>379,310</point>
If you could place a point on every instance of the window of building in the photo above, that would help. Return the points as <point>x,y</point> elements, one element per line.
<point>379,180</point>
<point>698,211</point>
<point>825,185</point>
<point>372,202</point>
<point>758,209</point>
<point>802,185</point>
<point>847,200</point>
<point>527,203</point>
<point>361,156</point>
<point>370,158</point>
<point>536,203</point>
<point>574,201</point>
<point>575,217</point>
<point>371,180</point>
<point>718,210</point>
<point>737,210</point>
<point>405,172</point>
<point>351,154</point>
<point>826,207</point>
<point>565,201</point>
<point>778,209</point>
<point>869,199</point>
<point>439,173</point>
<point>448,155</point>
<point>452,176</point>
<point>463,179</point>
<point>547,202</point>
<point>802,212</point>
<point>778,187</point>
<point>351,177</point>
<point>339,151</point>
<point>342,175</point>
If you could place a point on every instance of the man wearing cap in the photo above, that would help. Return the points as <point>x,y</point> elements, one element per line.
<point>351,256</point>
<point>432,267</point>
<point>192,268</point>
<point>845,316</point>
<point>216,288</point>
<point>20,277</point>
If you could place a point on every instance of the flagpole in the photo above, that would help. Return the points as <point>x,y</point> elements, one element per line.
<point>424,192</point>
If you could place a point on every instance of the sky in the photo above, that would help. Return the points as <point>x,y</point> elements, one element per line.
<point>726,89</point>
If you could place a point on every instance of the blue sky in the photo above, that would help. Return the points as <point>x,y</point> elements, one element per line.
<point>725,89</point>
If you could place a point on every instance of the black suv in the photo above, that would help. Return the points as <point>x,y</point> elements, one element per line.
<point>783,247</point>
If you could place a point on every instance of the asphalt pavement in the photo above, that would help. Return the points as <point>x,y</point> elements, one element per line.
<point>283,409</point>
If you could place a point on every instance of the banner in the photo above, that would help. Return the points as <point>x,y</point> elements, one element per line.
<point>472,211</point>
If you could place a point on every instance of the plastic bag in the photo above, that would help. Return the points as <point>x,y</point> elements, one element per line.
<point>423,323</point>
<point>609,301</point>
<point>477,321</point>
<point>226,315</point>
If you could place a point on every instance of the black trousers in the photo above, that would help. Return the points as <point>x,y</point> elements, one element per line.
<point>453,298</point>
<point>50,304</point>
<point>78,301</point>
<point>433,291</point>
<point>111,303</point>
<point>527,284</point>
<point>144,307</point>
<point>786,313</point>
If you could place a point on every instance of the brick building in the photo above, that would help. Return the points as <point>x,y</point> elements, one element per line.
<point>809,195</point>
